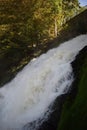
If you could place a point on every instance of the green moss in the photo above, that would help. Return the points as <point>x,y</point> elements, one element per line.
<point>74,115</point>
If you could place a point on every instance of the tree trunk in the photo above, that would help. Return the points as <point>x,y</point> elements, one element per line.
<point>55,28</point>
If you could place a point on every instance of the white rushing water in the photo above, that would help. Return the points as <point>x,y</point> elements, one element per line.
<point>27,97</point>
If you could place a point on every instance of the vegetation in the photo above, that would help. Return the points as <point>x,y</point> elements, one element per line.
<point>35,22</point>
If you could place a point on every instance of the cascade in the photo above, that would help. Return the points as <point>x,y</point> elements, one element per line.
<point>27,97</point>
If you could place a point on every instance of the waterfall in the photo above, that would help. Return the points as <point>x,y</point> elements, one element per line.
<point>28,96</point>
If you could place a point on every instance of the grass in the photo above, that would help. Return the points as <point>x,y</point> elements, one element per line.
<point>74,115</point>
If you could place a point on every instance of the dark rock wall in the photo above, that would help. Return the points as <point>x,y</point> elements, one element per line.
<point>75,105</point>
<point>76,26</point>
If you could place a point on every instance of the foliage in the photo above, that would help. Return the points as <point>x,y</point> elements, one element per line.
<point>36,21</point>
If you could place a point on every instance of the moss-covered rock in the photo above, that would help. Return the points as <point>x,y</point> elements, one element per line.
<point>74,112</point>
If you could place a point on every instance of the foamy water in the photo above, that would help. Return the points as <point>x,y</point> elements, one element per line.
<point>27,97</point>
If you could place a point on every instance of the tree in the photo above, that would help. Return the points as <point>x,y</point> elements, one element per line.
<point>37,21</point>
